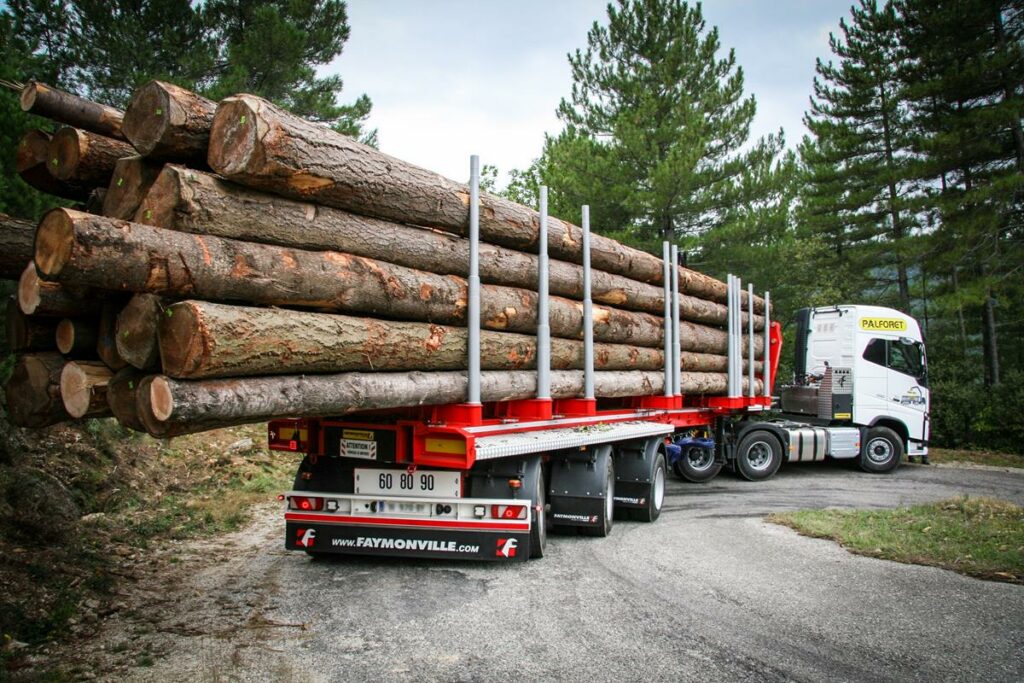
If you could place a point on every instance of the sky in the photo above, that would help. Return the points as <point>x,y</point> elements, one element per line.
<point>451,78</point>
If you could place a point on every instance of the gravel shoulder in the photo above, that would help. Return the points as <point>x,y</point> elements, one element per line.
<point>709,592</point>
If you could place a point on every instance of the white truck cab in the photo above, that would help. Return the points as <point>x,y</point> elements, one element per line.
<point>862,367</point>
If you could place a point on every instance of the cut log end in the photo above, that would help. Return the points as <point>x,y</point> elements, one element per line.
<point>161,399</point>
<point>33,394</point>
<point>79,384</point>
<point>28,95</point>
<point>66,336</point>
<point>67,147</point>
<point>147,118</point>
<point>233,138</point>
<point>181,340</point>
<point>33,148</point>
<point>28,290</point>
<point>54,239</point>
<point>136,331</point>
<point>158,206</point>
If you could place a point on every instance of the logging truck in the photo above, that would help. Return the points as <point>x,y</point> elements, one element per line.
<point>489,481</point>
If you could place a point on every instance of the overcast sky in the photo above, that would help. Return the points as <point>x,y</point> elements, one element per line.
<point>450,78</point>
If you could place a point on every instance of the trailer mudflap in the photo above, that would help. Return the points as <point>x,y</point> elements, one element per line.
<point>328,538</point>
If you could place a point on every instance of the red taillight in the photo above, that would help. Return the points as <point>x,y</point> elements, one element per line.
<point>508,511</point>
<point>306,503</point>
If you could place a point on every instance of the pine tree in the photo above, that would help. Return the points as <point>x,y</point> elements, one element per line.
<point>857,192</point>
<point>965,83</point>
<point>656,124</point>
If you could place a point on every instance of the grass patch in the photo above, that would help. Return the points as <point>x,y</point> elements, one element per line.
<point>980,537</point>
<point>991,458</point>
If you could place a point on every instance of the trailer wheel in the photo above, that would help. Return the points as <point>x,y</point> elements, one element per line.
<point>758,455</point>
<point>609,501</point>
<point>882,451</point>
<point>697,465</point>
<point>656,499</point>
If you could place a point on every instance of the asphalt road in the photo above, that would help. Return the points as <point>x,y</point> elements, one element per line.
<point>709,592</point>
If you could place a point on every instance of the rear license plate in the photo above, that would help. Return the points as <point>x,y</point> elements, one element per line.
<point>419,484</point>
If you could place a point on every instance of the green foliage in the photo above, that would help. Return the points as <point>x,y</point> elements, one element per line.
<point>656,127</point>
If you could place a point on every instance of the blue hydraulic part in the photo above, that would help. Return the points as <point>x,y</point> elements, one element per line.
<point>682,445</point>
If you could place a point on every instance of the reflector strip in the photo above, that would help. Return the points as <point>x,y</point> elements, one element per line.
<point>391,521</point>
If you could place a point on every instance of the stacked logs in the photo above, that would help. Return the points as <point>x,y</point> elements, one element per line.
<point>237,263</point>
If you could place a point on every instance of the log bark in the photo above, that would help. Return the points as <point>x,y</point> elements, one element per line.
<point>85,158</point>
<point>121,393</point>
<point>17,238</point>
<point>83,388</point>
<point>96,251</point>
<point>33,391</point>
<point>51,299</point>
<point>28,333</point>
<point>199,203</point>
<point>169,123</point>
<point>257,144</point>
<point>77,337</point>
<point>72,110</point>
<point>31,162</point>
<point>106,337</point>
<point>133,177</point>
<point>200,339</point>
<point>137,331</point>
<point>171,407</point>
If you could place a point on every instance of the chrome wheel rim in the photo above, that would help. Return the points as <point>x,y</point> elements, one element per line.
<point>759,455</point>
<point>879,451</point>
<point>659,488</point>
<point>699,459</point>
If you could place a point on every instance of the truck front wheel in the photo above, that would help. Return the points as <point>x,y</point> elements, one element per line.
<point>758,455</point>
<point>882,450</point>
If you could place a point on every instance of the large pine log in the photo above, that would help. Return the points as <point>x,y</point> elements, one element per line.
<point>76,337</point>
<point>169,123</point>
<point>17,238</point>
<point>121,397</point>
<point>72,110</point>
<point>171,407</point>
<point>199,203</point>
<point>83,388</point>
<point>137,331</point>
<point>31,162</point>
<point>83,249</point>
<point>85,158</point>
<point>28,333</point>
<point>200,339</point>
<point>257,144</point>
<point>33,391</point>
<point>133,176</point>
<point>38,297</point>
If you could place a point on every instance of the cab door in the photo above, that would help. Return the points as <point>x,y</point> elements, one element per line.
<point>907,384</point>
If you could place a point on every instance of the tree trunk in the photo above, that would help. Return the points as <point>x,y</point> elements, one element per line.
<point>200,339</point>
<point>106,338</point>
<point>71,110</point>
<point>17,239</point>
<point>77,337</point>
<point>136,331</point>
<point>83,388</point>
<point>991,346</point>
<point>85,158</point>
<point>31,162</point>
<point>121,393</point>
<point>28,333</point>
<point>171,407</point>
<point>51,299</point>
<point>259,145</point>
<point>169,123</point>
<point>33,391</point>
<point>92,250</point>
<point>133,176</point>
<point>199,203</point>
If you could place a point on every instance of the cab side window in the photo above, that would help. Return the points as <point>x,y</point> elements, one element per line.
<point>903,357</point>
<point>876,352</point>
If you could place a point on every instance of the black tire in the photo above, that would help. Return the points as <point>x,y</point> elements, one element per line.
<point>881,452</point>
<point>539,522</point>
<point>758,455</point>
<point>656,497</point>
<point>609,502</point>
<point>696,465</point>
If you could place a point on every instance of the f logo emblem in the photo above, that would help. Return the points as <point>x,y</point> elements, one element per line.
<point>306,537</point>
<point>507,547</point>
